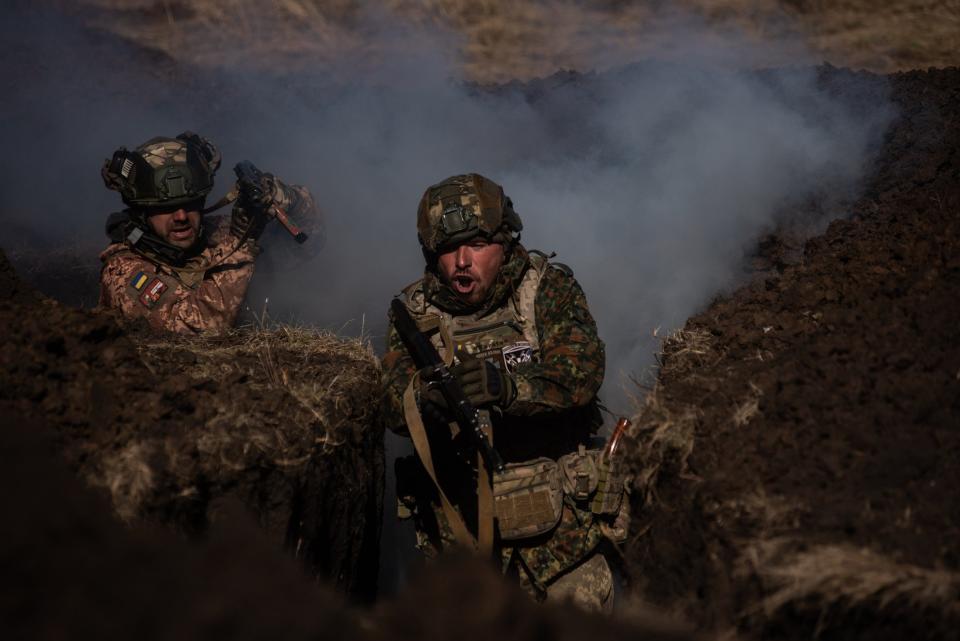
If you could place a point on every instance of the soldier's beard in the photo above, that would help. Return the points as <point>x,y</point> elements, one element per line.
<point>183,237</point>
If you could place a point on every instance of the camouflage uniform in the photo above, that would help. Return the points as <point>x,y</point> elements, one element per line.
<point>536,324</point>
<point>205,290</point>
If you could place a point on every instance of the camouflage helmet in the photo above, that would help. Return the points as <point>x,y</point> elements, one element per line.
<point>163,172</point>
<point>463,207</point>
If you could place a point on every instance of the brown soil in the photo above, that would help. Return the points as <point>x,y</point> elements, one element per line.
<point>798,459</point>
<point>284,420</point>
<point>71,570</point>
<point>796,464</point>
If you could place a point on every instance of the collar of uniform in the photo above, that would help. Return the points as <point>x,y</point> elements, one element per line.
<point>511,273</point>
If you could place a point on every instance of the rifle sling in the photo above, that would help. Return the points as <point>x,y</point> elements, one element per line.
<point>485,508</point>
<point>483,544</point>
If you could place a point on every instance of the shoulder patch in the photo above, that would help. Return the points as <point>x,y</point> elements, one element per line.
<point>138,281</point>
<point>152,293</point>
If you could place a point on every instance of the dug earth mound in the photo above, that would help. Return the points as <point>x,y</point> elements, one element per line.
<point>798,459</point>
<point>794,465</point>
<point>249,468</point>
<point>282,421</point>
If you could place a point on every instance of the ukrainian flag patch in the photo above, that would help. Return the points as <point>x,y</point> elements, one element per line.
<point>139,281</point>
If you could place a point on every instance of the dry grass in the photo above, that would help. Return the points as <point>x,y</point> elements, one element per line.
<point>837,578</point>
<point>278,399</point>
<point>128,477</point>
<point>893,36</point>
<point>663,436</point>
<point>500,40</point>
<point>282,356</point>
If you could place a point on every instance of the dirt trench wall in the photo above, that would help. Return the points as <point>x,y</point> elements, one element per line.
<point>283,421</point>
<point>798,459</point>
<point>72,570</point>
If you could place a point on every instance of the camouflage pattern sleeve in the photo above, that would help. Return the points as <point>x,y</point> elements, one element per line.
<point>398,367</point>
<point>298,203</point>
<point>135,287</point>
<point>572,358</point>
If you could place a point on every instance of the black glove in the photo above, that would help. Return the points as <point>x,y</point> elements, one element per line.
<point>247,223</point>
<point>254,207</point>
<point>484,384</point>
<point>431,400</point>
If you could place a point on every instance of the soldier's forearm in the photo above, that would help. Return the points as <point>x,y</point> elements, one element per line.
<point>549,389</point>
<point>302,208</point>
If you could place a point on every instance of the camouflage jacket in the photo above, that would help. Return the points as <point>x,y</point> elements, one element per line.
<point>554,412</point>
<point>207,292</point>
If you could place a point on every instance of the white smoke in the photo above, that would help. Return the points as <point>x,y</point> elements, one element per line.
<point>650,182</point>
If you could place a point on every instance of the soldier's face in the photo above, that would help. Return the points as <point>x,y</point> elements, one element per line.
<point>471,269</point>
<point>180,228</point>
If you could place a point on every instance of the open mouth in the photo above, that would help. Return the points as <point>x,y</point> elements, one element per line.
<point>463,284</point>
<point>181,234</point>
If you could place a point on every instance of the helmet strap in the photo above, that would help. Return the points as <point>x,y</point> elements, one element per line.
<point>140,237</point>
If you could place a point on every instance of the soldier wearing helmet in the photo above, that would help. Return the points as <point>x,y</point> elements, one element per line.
<point>517,334</point>
<point>169,263</point>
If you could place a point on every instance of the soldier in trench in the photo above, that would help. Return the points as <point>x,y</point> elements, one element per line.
<point>169,263</point>
<point>516,332</point>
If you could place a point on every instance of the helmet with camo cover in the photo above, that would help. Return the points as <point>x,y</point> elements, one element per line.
<point>163,172</point>
<point>461,208</point>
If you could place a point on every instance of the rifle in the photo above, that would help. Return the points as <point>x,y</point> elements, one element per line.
<point>250,186</point>
<point>425,355</point>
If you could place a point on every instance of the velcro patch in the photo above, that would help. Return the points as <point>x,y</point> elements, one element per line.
<point>139,281</point>
<point>520,353</point>
<point>151,295</point>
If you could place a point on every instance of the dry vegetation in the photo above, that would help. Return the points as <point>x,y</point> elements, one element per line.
<point>664,437</point>
<point>305,392</point>
<point>839,578</point>
<point>500,40</point>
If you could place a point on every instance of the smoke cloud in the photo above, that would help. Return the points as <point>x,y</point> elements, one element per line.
<point>651,181</point>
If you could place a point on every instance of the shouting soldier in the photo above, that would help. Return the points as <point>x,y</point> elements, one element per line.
<point>169,264</point>
<point>515,332</point>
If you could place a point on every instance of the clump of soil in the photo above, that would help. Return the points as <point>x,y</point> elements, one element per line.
<point>285,420</point>
<point>797,460</point>
<point>72,570</point>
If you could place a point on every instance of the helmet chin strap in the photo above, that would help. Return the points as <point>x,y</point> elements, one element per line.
<point>138,234</point>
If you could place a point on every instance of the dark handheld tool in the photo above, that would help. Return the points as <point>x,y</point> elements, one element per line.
<point>425,356</point>
<point>250,188</point>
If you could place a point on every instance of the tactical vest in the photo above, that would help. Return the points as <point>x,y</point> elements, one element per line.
<point>528,496</point>
<point>506,336</point>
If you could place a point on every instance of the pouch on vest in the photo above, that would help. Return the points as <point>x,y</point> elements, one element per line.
<point>528,499</point>
<point>610,488</point>
<point>587,476</point>
<point>579,473</point>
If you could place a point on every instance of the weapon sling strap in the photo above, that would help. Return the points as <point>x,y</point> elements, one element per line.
<point>483,543</point>
<point>485,509</point>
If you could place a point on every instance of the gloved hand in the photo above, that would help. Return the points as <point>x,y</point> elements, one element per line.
<point>247,222</point>
<point>431,400</point>
<point>484,384</point>
<point>255,207</point>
